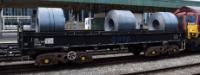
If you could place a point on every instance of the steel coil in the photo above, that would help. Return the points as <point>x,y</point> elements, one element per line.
<point>120,20</point>
<point>50,20</point>
<point>43,20</point>
<point>59,19</point>
<point>163,21</point>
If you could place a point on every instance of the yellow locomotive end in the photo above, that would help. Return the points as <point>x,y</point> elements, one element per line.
<point>192,30</point>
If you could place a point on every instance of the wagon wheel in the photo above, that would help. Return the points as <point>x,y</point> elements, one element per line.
<point>173,49</point>
<point>45,60</point>
<point>83,57</point>
<point>79,57</point>
<point>152,51</point>
<point>72,55</point>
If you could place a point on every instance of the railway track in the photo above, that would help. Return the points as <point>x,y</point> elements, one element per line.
<point>30,68</point>
<point>18,69</point>
<point>167,69</point>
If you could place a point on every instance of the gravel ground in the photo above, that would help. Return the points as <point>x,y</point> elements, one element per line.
<point>128,67</point>
<point>181,71</point>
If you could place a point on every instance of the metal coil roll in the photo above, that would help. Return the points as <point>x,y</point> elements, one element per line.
<point>120,20</point>
<point>163,21</point>
<point>59,19</point>
<point>50,20</point>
